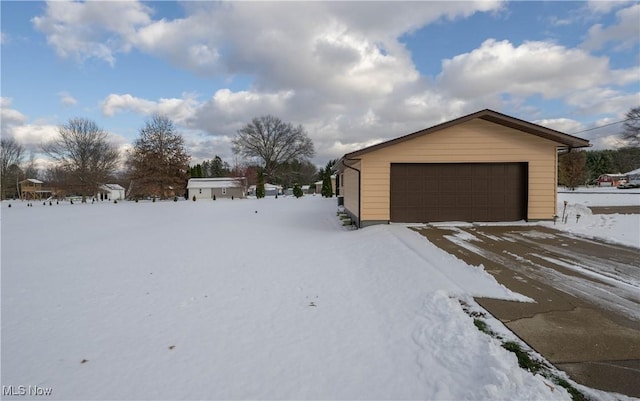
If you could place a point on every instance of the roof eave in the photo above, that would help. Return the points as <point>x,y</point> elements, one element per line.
<point>487,115</point>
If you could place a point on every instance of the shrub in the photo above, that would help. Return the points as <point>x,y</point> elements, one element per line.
<point>260,193</point>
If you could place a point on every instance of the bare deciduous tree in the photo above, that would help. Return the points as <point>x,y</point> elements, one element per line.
<point>159,162</point>
<point>274,142</point>
<point>84,153</point>
<point>631,132</point>
<point>11,158</point>
<point>571,168</point>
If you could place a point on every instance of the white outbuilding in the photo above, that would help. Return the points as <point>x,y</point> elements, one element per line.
<point>111,192</point>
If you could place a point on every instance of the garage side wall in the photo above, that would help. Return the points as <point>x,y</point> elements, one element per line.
<point>349,190</point>
<point>476,141</point>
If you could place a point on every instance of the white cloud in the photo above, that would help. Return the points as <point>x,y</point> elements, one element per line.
<point>333,67</point>
<point>337,68</point>
<point>343,148</point>
<point>533,68</point>
<point>206,148</point>
<point>605,133</point>
<point>612,141</point>
<point>624,34</point>
<point>33,136</point>
<point>602,100</point>
<point>604,6</point>
<point>176,109</point>
<point>279,43</point>
<point>229,106</point>
<point>565,125</point>
<point>8,115</point>
<point>66,99</point>
<point>92,29</point>
<point>15,125</point>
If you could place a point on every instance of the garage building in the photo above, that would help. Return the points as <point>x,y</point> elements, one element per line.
<point>482,167</point>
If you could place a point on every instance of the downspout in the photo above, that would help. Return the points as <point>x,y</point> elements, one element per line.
<point>359,192</point>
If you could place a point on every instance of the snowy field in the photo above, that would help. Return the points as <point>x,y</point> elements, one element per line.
<point>601,196</point>
<point>245,299</point>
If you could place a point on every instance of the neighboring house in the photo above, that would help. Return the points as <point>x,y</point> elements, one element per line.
<point>32,189</point>
<point>111,192</point>
<point>485,166</point>
<point>633,177</point>
<point>318,185</point>
<point>304,188</point>
<point>611,180</point>
<point>269,189</point>
<point>207,188</point>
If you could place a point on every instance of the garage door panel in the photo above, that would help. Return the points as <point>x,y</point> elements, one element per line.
<point>431,192</point>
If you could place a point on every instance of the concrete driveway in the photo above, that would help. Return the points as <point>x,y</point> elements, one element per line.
<point>586,318</point>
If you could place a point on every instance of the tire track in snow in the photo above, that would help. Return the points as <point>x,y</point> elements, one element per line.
<point>547,264</point>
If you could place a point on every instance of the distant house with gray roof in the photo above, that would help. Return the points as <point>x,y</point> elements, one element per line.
<point>227,187</point>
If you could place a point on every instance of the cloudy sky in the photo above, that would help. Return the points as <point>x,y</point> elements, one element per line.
<point>352,73</point>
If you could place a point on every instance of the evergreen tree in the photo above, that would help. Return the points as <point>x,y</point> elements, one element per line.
<point>598,162</point>
<point>260,193</point>
<point>196,171</point>
<point>219,168</point>
<point>626,159</point>
<point>327,189</point>
<point>297,191</point>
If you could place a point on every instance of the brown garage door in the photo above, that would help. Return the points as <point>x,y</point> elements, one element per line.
<point>430,192</point>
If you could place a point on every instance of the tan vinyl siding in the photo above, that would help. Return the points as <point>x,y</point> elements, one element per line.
<point>473,141</point>
<point>349,189</point>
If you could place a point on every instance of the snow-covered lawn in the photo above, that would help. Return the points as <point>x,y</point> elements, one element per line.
<point>619,228</point>
<point>600,196</point>
<point>243,299</point>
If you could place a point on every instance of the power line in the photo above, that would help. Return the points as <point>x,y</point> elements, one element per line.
<point>601,126</point>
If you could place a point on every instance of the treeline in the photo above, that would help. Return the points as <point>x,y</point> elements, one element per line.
<point>158,163</point>
<point>211,169</point>
<point>287,174</point>
<point>578,168</point>
<point>84,159</point>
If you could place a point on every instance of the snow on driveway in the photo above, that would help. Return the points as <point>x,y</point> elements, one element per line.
<point>243,299</point>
